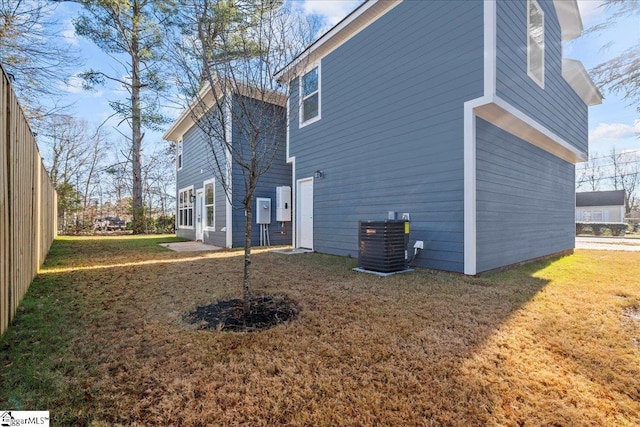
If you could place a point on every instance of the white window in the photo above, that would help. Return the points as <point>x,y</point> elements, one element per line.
<point>535,42</point>
<point>593,216</point>
<point>310,97</point>
<point>209,205</point>
<point>179,155</point>
<point>185,207</point>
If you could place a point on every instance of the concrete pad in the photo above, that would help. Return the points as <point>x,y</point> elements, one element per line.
<point>292,251</point>
<point>377,273</point>
<point>190,247</point>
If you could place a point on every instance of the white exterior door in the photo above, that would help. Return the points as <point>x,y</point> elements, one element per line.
<point>200,215</point>
<point>305,213</point>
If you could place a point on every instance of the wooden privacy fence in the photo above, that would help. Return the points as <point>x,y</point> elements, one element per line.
<point>27,205</point>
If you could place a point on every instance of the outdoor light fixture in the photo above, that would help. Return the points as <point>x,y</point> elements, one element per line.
<point>193,198</point>
<point>318,174</point>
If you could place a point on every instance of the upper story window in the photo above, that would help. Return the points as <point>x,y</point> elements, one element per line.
<point>535,42</point>
<point>310,97</point>
<point>179,156</point>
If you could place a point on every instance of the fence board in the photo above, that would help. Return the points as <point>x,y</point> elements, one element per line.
<point>27,205</point>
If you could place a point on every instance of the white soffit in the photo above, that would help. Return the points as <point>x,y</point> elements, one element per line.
<point>569,17</point>
<point>518,124</point>
<point>575,74</point>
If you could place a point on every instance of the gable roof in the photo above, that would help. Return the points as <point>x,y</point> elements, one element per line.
<point>207,98</point>
<point>600,198</point>
<point>369,11</point>
<point>364,15</point>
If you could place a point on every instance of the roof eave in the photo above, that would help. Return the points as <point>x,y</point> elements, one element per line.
<point>569,17</point>
<point>577,76</point>
<point>207,98</point>
<point>352,24</point>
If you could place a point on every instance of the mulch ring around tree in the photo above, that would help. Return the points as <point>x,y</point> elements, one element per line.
<point>265,312</point>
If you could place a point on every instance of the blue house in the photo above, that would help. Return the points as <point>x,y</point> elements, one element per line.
<point>462,114</point>
<point>204,212</point>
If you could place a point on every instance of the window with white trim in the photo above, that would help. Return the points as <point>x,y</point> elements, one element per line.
<point>593,216</point>
<point>209,205</point>
<point>310,97</point>
<point>179,155</point>
<point>535,42</point>
<point>185,207</point>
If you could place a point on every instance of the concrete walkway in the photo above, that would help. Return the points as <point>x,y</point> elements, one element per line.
<point>608,243</point>
<point>190,247</point>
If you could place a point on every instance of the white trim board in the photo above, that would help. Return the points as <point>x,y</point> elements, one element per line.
<point>499,113</point>
<point>229,166</point>
<point>350,26</point>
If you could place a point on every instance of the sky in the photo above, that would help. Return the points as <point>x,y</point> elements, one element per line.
<point>612,125</point>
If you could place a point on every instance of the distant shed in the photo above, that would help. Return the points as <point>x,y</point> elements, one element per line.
<point>600,206</point>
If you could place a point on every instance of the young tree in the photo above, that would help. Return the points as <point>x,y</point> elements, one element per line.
<point>131,32</point>
<point>34,53</point>
<point>229,51</point>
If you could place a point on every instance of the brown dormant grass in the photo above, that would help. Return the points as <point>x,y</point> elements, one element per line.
<point>552,343</point>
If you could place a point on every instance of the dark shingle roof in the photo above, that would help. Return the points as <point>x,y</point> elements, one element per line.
<point>600,198</point>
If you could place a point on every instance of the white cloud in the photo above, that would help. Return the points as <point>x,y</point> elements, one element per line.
<point>609,132</point>
<point>332,10</point>
<point>590,9</point>
<point>74,86</point>
<point>69,33</point>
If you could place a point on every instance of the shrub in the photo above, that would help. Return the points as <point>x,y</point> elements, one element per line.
<point>596,228</point>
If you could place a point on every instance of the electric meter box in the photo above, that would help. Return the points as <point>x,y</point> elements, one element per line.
<point>283,203</point>
<point>263,210</point>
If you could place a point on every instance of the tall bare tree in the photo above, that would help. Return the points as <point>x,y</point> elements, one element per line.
<point>590,174</point>
<point>626,176</point>
<point>72,154</point>
<point>620,74</point>
<point>131,32</point>
<point>228,51</point>
<point>35,54</point>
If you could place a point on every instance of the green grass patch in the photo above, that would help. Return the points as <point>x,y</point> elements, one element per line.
<point>100,340</point>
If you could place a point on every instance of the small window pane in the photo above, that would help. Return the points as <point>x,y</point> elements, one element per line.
<point>535,42</point>
<point>310,82</point>
<point>208,194</point>
<point>536,29</point>
<point>535,61</point>
<point>210,218</point>
<point>310,107</point>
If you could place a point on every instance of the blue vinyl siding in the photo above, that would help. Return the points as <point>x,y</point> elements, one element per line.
<point>525,200</point>
<point>557,106</point>
<point>198,166</point>
<point>278,174</point>
<point>391,133</point>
